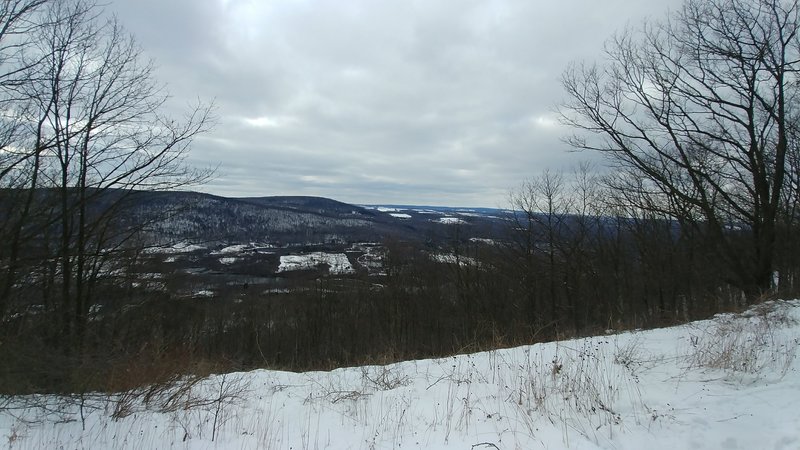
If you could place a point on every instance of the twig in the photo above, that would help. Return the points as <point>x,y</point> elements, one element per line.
<point>487,444</point>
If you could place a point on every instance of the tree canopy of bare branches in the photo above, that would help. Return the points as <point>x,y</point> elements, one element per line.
<point>84,130</point>
<point>698,115</point>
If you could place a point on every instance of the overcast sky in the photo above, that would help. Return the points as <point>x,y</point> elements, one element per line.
<point>368,101</point>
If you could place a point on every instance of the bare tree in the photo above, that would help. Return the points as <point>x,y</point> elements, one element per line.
<point>539,215</point>
<point>94,126</point>
<point>697,109</point>
<point>17,24</point>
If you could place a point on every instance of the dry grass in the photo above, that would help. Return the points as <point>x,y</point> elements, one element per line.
<point>749,345</point>
<point>588,385</point>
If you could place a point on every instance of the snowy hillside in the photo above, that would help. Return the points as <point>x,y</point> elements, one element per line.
<point>732,382</point>
<point>203,217</point>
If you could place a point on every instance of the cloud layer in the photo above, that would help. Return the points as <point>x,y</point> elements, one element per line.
<point>365,101</point>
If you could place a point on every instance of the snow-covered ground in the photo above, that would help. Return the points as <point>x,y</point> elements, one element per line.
<point>483,240</point>
<point>231,249</point>
<point>180,247</point>
<point>253,247</point>
<point>372,259</point>
<point>450,258</point>
<point>728,383</point>
<point>337,262</point>
<point>450,221</point>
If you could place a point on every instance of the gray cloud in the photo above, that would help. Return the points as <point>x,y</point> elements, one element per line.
<point>435,102</point>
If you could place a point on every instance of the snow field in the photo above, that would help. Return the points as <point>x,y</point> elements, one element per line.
<point>680,387</point>
<point>180,247</point>
<point>451,221</point>
<point>337,262</point>
<point>451,258</point>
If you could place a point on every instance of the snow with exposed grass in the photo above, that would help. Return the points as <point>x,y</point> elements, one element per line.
<point>731,382</point>
<point>337,263</point>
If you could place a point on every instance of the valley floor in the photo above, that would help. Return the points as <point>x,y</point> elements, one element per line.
<point>727,383</point>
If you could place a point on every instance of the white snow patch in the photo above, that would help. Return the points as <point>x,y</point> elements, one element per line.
<point>180,247</point>
<point>451,221</point>
<point>483,241</point>
<point>450,258</point>
<point>337,262</point>
<point>373,259</point>
<point>228,260</point>
<point>274,291</point>
<point>231,249</point>
<point>400,215</point>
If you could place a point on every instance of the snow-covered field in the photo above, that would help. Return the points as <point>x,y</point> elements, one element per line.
<point>450,221</point>
<point>337,262</point>
<point>728,383</point>
<point>450,258</point>
<point>231,249</point>
<point>236,249</point>
<point>180,247</point>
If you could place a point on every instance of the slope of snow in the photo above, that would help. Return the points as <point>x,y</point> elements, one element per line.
<point>731,382</point>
